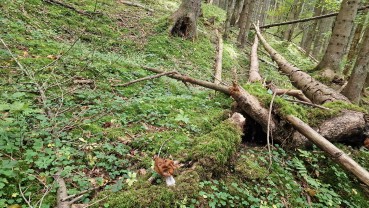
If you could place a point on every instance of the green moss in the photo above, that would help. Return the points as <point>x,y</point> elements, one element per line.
<point>210,10</point>
<point>215,149</point>
<point>310,115</point>
<point>316,115</point>
<point>284,107</point>
<point>247,166</point>
<point>143,194</point>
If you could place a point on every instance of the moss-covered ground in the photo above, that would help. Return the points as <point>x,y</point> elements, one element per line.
<point>101,135</point>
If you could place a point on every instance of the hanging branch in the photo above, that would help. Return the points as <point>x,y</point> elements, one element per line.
<point>307,19</point>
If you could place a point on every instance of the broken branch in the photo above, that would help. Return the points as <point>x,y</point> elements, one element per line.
<point>137,5</point>
<point>145,78</point>
<point>70,7</point>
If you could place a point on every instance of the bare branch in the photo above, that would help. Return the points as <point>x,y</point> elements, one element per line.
<point>137,5</point>
<point>145,78</point>
<point>71,7</point>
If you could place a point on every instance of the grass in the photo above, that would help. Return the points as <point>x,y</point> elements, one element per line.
<point>101,133</point>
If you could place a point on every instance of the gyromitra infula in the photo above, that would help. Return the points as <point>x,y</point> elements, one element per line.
<point>165,168</point>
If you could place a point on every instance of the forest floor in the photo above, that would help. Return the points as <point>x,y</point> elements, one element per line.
<point>61,111</point>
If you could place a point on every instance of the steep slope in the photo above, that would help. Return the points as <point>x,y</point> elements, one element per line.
<point>66,60</point>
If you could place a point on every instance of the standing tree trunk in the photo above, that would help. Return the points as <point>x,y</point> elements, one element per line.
<point>296,10</point>
<point>230,11</point>
<point>245,22</point>
<point>356,82</point>
<point>308,41</point>
<point>351,56</point>
<point>185,19</point>
<point>320,40</point>
<point>330,64</point>
<point>237,11</point>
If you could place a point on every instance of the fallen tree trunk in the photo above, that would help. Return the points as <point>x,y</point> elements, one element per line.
<point>336,154</point>
<point>307,19</point>
<point>252,107</point>
<point>218,59</point>
<point>248,103</point>
<point>254,75</point>
<point>317,92</point>
<point>349,124</point>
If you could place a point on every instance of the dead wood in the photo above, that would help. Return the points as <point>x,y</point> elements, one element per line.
<point>248,103</point>
<point>88,13</point>
<point>346,126</point>
<point>185,78</point>
<point>218,59</point>
<point>294,93</point>
<point>30,74</point>
<point>83,81</point>
<point>308,103</point>
<point>137,5</point>
<point>62,198</point>
<point>343,159</point>
<point>307,19</point>
<point>254,75</point>
<point>317,92</point>
<point>144,79</point>
<point>61,192</point>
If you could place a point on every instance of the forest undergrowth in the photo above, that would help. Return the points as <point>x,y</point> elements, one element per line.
<point>61,111</point>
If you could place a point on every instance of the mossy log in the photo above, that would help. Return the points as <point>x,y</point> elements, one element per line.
<point>348,126</point>
<point>214,151</point>
<point>317,92</point>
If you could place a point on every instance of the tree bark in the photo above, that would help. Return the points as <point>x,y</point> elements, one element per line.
<point>356,82</point>
<point>330,64</point>
<point>218,59</point>
<point>185,19</point>
<point>317,92</point>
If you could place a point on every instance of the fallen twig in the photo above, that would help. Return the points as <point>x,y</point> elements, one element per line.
<point>88,13</point>
<point>145,78</point>
<point>137,5</point>
<point>32,77</point>
<point>308,103</point>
